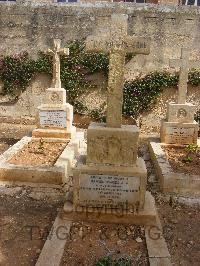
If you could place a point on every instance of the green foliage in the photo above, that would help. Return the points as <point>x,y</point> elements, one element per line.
<point>191,150</point>
<point>16,72</point>
<point>98,113</point>
<point>140,95</point>
<point>123,261</point>
<point>40,146</point>
<point>107,261</point>
<point>194,77</point>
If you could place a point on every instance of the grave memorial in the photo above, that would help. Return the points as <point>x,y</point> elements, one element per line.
<point>177,132</point>
<point>111,177</point>
<point>47,156</point>
<point>179,126</point>
<point>55,116</point>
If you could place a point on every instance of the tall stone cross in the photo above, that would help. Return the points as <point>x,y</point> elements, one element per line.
<point>184,64</point>
<point>117,43</point>
<point>55,53</point>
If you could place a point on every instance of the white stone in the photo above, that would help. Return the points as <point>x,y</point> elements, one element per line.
<point>108,190</point>
<point>53,118</point>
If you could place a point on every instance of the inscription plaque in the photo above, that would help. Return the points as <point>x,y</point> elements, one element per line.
<point>180,135</point>
<point>109,191</point>
<point>52,118</point>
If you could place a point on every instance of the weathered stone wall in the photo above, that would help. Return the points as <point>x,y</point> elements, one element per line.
<point>25,108</point>
<point>32,27</point>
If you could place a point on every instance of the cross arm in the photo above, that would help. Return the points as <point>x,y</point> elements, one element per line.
<point>50,52</point>
<point>137,45</point>
<point>194,64</point>
<point>98,44</point>
<point>64,51</point>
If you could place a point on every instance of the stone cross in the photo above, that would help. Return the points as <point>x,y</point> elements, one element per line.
<point>184,64</point>
<point>55,53</point>
<point>117,43</point>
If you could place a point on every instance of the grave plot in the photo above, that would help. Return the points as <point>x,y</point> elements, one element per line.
<point>38,161</point>
<point>97,244</point>
<point>179,139</point>
<point>47,156</point>
<point>177,168</point>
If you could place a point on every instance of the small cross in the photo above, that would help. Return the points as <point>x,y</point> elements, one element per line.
<point>55,53</point>
<point>117,43</point>
<point>184,64</point>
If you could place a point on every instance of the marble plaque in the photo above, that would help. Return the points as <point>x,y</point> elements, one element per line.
<point>109,191</point>
<point>52,118</point>
<point>180,135</point>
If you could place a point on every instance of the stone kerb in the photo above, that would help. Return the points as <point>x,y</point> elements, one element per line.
<point>57,174</point>
<point>170,181</point>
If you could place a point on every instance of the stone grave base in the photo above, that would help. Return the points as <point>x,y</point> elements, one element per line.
<point>56,174</point>
<point>179,133</point>
<point>147,216</point>
<point>182,113</point>
<point>115,146</point>
<point>170,181</point>
<point>55,121</point>
<point>131,182</point>
<point>54,133</point>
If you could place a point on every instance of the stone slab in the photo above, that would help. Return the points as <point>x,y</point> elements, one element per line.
<point>55,97</point>
<point>158,252</point>
<point>182,113</point>
<point>116,146</point>
<point>109,190</point>
<point>179,133</point>
<point>156,245</point>
<point>160,262</point>
<point>54,133</point>
<point>52,116</point>
<point>57,174</point>
<point>170,181</point>
<point>147,216</point>
<point>54,246</point>
<point>127,185</point>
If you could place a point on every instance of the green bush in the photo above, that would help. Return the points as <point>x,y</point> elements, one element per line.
<point>108,261</point>
<point>140,95</point>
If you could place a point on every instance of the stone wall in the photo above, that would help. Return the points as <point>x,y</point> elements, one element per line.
<point>32,27</point>
<point>25,108</point>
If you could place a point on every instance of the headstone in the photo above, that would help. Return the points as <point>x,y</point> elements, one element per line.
<point>180,127</point>
<point>111,176</point>
<point>55,116</point>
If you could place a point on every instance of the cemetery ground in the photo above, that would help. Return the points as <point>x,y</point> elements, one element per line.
<point>22,208</point>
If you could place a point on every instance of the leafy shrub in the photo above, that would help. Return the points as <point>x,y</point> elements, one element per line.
<point>139,95</point>
<point>108,261</point>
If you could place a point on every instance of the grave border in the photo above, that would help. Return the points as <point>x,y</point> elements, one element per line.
<point>56,174</point>
<point>158,253</point>
<point>171,181</point>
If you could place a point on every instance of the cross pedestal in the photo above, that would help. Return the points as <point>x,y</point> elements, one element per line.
<point>179,126</point>
<point>110,176</point>
<point>55,115</point>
